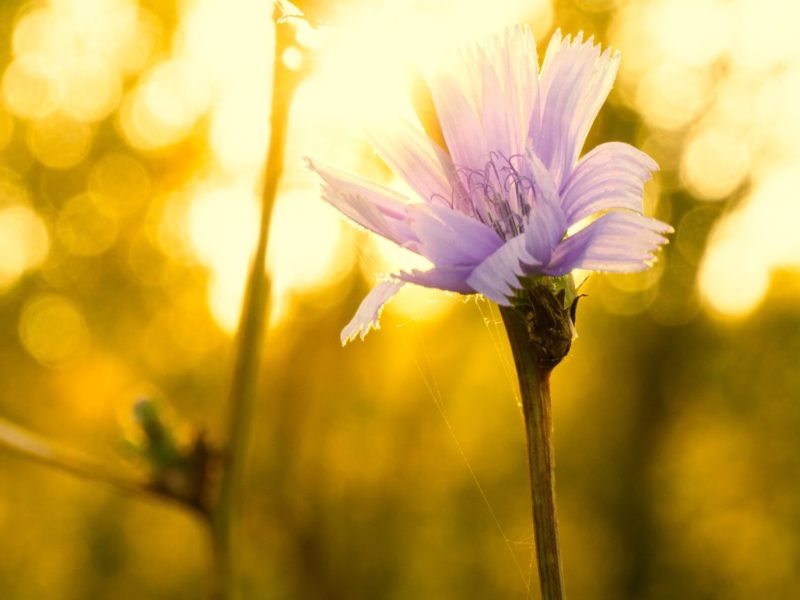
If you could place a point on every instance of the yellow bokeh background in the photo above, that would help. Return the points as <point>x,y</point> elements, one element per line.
<point>133,136</point>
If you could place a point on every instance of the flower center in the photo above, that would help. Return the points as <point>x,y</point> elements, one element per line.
<point>499,195</point>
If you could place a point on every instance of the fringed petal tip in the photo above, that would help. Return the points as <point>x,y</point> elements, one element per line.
<point>664,229</point>
<point>576,40</point>
<point>368,313</point>
<point>353,330</point>
<point>575,79</point>
<point>313,166</point>
<point>652,224</point>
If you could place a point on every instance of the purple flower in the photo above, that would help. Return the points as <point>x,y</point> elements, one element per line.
<point>509,197</point>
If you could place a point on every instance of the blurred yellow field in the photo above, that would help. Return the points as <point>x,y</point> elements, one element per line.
<point>133,141</point>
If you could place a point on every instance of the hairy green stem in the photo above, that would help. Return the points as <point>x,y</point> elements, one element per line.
<point>250,339</point>
<point>534,385</point>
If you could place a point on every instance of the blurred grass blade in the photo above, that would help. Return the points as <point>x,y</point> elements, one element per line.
<point>251,332</point>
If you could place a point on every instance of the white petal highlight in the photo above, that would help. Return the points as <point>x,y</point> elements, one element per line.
<point>368,313</point>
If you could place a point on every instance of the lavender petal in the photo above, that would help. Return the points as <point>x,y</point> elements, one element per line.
<point>575,81</point>
<point>450,238</point>
<point>410,153</point>
<point>620,241</point>
<point>546,227</point>
<point>377,208</point>
<point>498,276</point>
<point>459,120</point>
<point>452,279</point>
<point>612,175</point>
<point>509,81</point>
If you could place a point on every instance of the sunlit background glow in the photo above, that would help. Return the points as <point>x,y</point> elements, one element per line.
<point>726,77</point>
<point>133,137</point>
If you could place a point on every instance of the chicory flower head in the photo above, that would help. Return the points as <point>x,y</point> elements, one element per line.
<point>508,198</point>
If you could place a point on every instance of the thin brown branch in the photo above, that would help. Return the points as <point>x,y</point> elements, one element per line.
<point>30,446</point>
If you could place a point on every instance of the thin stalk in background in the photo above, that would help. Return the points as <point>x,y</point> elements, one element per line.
<point>30,446</point>
<point>222,515</point>
<point>250,336</point>
<point>534,359</point>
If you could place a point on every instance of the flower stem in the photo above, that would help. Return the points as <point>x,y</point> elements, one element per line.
<point>250,337</point>
<point>534,385</point>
